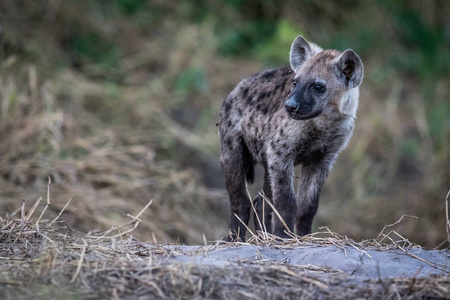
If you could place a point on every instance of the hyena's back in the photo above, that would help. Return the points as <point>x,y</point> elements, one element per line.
<point>250,111</point>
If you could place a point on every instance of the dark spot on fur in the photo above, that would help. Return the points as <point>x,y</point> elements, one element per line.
<point>249,100</point>
<point>229,123</point>
<point>281,181</point>
<point>227,105</point>
<point>245,92</point>
<point>281,131</point>
<point>313,132</point>
<point>258,106</point>
<point>264,110</point>
<point>240,111</point>
<point>262,96</point>
<point>272,108</point>
<point>277,87</point>
<point>278,153</point>
<point>229,143</point>
<point>251,119</point>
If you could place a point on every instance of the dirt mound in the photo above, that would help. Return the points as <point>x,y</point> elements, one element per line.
<point>359,264</point>
<point>40,258</point>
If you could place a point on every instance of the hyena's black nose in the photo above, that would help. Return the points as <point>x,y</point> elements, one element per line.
<point>291,105</point>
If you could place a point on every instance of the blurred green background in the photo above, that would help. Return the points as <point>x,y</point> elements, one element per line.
<point>117,101</point>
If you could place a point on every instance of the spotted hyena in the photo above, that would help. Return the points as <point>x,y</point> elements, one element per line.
<point>298,115</point>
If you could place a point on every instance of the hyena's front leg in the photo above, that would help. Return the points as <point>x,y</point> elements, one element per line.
<point>285,203</point>
<point>310,184</point>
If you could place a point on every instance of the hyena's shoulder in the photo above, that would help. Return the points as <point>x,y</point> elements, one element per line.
<point>264,92</point>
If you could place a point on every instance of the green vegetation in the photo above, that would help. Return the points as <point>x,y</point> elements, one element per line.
<point>117,102</point>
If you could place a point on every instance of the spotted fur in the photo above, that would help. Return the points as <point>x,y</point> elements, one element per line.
<point>302,114</point>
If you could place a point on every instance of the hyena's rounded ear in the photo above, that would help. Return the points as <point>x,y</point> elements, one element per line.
<point>300,52</point>
<point>349,68</point>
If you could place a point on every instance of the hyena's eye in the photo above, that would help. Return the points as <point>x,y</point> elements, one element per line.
<point>294,82</point>
<point>319,88</point>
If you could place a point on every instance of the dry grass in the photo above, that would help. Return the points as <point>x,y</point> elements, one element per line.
<point>40,257</point>
<point>115,137</point>
<point>103,166</point>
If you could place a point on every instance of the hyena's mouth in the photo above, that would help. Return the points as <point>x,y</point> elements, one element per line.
<point>298,116</point>
<point>300,110</point>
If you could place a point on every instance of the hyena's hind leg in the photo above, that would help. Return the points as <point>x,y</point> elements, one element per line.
<point>263,216</point>
<point>236,162</point>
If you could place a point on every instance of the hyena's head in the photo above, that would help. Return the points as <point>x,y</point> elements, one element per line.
<point>325,80</point>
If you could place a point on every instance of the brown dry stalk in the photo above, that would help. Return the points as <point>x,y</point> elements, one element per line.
<point>50,240</point>
<point>135,221</point>
<point>60,212</point>
<point>48,202</point>
<point>264,232</point>
<point>33,208</point>
<point>245,225</point>
<point>22,215</point>
<point>317,283</point>
<point>393,224</point>
<point>278,215</point>
<point>80,261</point>
<point>405,250</point>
